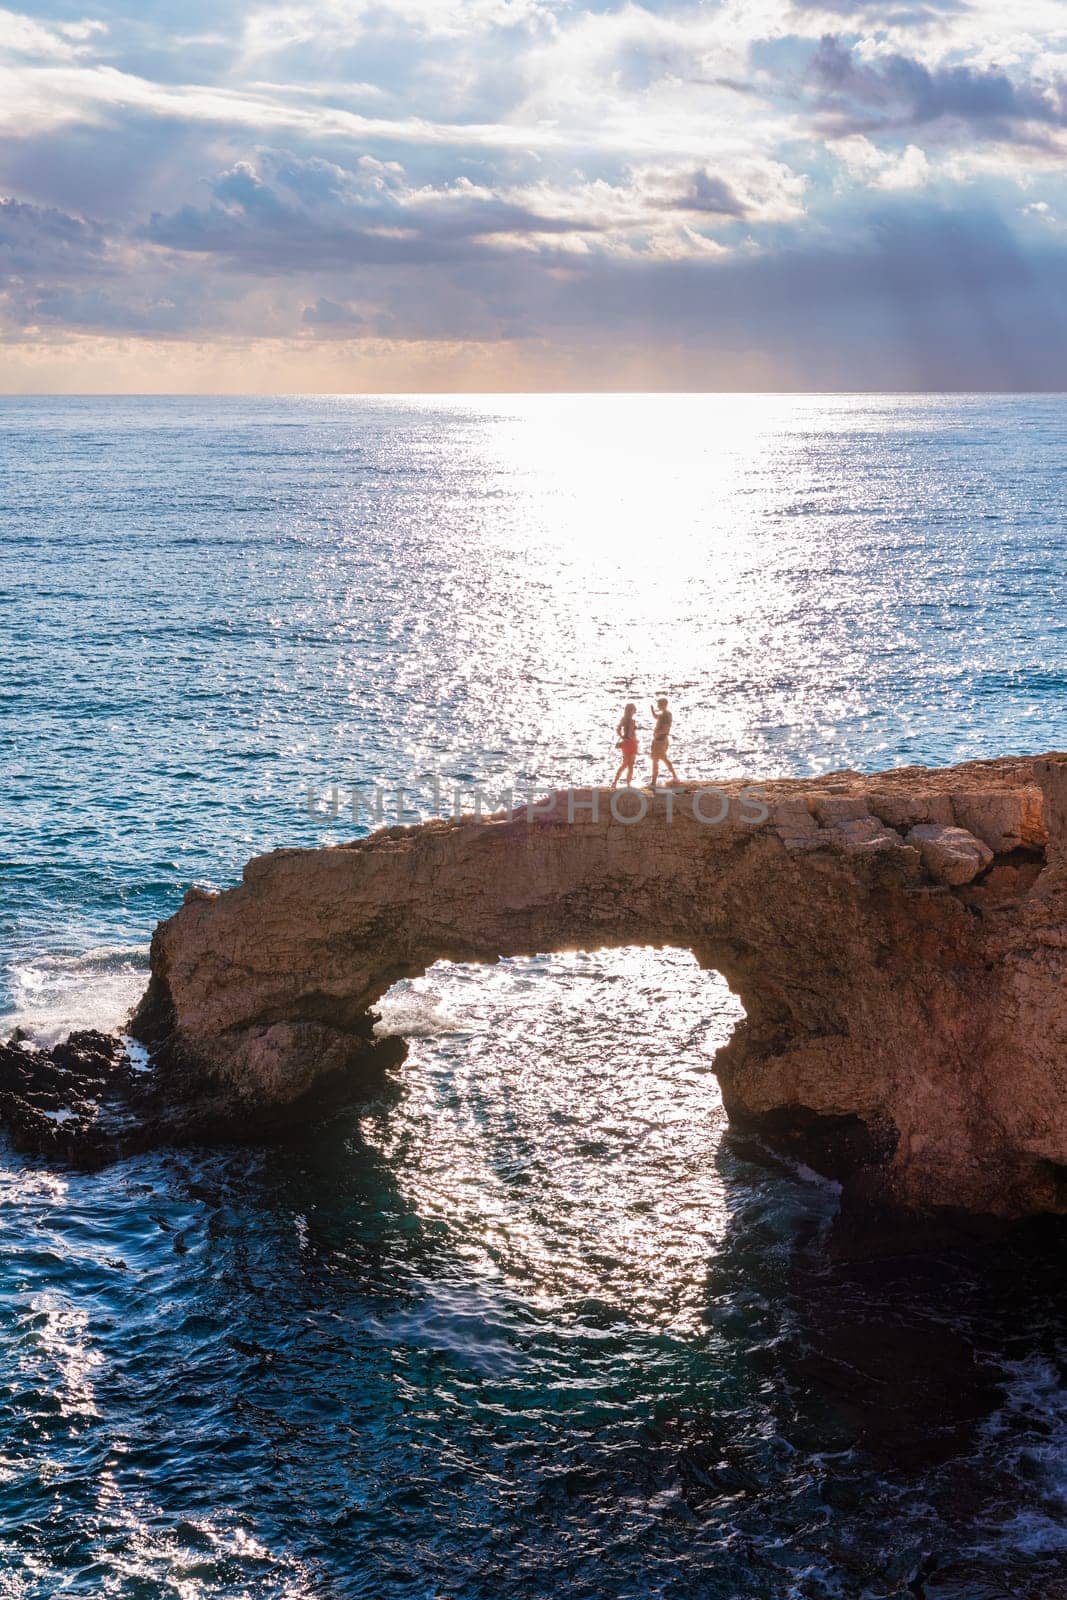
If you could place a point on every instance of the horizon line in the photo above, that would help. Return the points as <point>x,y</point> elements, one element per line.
<point>494,394</point>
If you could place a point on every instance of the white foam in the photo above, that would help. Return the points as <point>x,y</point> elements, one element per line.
<point>410,1013</point>
<point>53,995</point>
<point>137,1055</point>
<point>818,1180</point>
<point>1034,1395</point>
<point>800,1170</point>
<point>1036,1533</point>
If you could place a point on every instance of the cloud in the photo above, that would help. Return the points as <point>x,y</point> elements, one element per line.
<point>912,296</point>
<point>304,214</point>
<point>917,297</point>
<point>287,212</point>
<point>66,271</point>
<point>331,24</point>
<point>897,91</point>
<point>35,239</point>
<point>64,41</point>
<point>329,315</point>
<point>813,188</point>
<point>883,169</point>
<point>894,14</point>
<point>707,192</point>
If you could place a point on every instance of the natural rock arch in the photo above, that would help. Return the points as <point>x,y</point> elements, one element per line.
<point>897,942</point>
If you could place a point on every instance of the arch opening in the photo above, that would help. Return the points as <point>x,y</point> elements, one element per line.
<point>560,1116</point>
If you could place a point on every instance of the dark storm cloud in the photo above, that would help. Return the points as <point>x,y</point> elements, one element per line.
<point>898,92</point>
<point>916,299</point>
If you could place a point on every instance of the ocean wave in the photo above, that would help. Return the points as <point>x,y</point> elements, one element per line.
<point>408,1013</point>
<point>462,1323</point>
<point>1029,1433</point>
<point>52,995</point>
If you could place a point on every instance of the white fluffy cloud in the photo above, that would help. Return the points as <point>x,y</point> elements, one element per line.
<point>883,169</point>
<point>22,35</point>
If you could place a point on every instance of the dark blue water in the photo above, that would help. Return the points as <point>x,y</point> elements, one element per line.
<point>527,1323</point>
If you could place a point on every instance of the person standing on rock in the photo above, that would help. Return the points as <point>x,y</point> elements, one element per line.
<point>627,733</point>
<point>661,738</point>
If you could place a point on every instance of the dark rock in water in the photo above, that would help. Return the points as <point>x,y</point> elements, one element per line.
<point>67,1102</point>
<point>85,1103</point>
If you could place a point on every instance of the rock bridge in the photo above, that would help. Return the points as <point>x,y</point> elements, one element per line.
<point>898,941</point>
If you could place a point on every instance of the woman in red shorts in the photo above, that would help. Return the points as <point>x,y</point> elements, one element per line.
<point>627,732</point>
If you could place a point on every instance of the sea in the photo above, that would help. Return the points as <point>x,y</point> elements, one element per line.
<point>530,1322</point>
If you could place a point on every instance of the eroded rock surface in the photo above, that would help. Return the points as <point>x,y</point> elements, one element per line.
<point>950,855</point>
<point>899,943</point>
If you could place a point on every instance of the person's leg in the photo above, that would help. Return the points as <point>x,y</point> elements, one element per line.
<point>655,770</point>
<point>630,776</point>
<point>662,755</point>
<point>618,774</point>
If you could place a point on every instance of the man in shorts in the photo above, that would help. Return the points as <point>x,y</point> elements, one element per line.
<point>661,738</point>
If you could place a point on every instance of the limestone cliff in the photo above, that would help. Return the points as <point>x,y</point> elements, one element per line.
<point>899,943</point>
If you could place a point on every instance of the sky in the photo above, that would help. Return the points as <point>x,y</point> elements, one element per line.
<point>496,195</point>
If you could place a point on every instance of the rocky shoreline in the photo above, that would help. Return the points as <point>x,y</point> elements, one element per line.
<point>86,1102</point>
<point>81,1102</point>
<point>898,941</point>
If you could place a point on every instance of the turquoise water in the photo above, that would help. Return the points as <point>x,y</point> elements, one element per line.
<point>526,1323</point>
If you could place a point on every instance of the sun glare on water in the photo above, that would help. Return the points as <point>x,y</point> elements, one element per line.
<point>559,1117</point>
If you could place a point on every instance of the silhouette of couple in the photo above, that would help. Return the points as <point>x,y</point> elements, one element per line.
<point>661,738</point>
